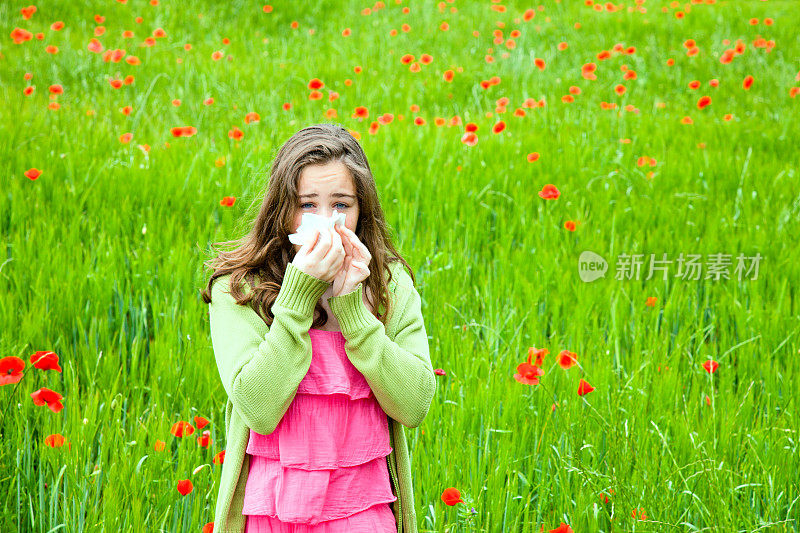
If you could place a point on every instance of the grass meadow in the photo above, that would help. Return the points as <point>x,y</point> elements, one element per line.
<point>506,139</point>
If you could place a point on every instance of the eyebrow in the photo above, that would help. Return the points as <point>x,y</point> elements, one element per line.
<point>336,195</point>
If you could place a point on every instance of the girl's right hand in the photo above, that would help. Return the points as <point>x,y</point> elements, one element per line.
<point>322,256</point>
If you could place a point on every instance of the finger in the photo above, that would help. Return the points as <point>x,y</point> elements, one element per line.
<point>360,245</point>
<point>324,242</point>
<point>348,243</point>
<point>363,255</point>
<point>357,244</point>
<point>338,262</point>
<point>337,240</point>
<point>315,239</point>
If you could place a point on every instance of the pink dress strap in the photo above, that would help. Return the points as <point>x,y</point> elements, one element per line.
<point>325,463</point>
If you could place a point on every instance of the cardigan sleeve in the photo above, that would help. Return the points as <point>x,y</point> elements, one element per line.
<point>398,371</point>
<point>261,371</point>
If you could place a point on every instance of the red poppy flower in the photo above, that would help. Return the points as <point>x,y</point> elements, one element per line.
<point>11,369</point>
<point>587,71</point>
<point>183,131</point>
<point>469,138</point>
<point>549,192</point>
<point>527,374</point>
<point>748,82</point>
<point>45,360</point>
<point>201,422</point>
<point>227,201</point>
<point>584,388</point>
<point>315,83</point>
<point>27,12</point>
<point>159,445</point>
<point>567,359</point>
<point>563,528</point>
<point>205,439</point>
<point>710,366</point>
<point>33,173</point>
<point>538,354</point>
<point>185,486</point>
<point>94,46</point>
<point>219,458</point>
<point>451,496</point>
<point>54,441</point>
<point>208,528</point>
<point>46,396</point>
<point>180,429</point>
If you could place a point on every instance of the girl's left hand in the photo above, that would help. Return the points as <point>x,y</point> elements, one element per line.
<point>356,261</point>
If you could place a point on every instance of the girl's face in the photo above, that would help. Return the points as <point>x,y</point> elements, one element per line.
<point>323,188</point>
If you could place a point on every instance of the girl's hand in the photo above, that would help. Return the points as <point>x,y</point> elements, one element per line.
<point>355,268</point>
<point>322,256</point>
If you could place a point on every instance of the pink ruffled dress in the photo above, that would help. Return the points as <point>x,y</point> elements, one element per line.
<point>323,469</point>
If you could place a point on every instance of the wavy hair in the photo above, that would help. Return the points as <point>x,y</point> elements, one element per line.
<point>265,250</point>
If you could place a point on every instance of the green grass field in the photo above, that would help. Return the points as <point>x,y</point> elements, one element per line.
<point>103,251</point>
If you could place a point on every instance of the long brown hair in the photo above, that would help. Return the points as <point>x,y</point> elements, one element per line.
<point>266,250</point>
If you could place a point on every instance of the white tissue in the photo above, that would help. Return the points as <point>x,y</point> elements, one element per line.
<point>313,221</point>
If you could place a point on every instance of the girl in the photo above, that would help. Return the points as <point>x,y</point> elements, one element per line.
<point>322,352</point>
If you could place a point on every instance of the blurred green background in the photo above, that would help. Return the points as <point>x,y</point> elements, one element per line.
<point>103,251</point>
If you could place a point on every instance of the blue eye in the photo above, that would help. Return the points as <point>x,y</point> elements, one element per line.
<point>344,206</point>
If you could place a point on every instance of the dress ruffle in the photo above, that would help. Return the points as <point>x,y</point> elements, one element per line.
<point>376,519</point>
<point>311,496</point>
<point>332,373</point>
<point>325,463</point>
<point>324,432</point>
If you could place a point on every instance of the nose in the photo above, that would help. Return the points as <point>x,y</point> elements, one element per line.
<point>327,212</point>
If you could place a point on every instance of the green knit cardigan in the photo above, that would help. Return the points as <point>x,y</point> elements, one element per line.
<point>261,367</point>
